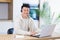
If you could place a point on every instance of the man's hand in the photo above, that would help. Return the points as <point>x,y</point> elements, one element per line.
<point>33,33</point>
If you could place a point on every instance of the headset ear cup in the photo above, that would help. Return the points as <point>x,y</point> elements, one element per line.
<point>21,10</point>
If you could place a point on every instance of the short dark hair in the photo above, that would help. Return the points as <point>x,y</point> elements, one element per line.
<point>25,5</point>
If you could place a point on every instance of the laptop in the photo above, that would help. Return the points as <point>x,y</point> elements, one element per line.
<point>46,31</point>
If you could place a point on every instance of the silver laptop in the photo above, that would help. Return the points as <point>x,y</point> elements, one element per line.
<point>46,31</point>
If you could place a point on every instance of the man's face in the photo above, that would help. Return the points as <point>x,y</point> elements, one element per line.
<point>25,11</point>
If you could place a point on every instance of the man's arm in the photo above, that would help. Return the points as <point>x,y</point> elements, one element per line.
<point>34,29</point>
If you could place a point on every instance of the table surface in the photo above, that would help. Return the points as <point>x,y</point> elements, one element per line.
<point>13,37</point>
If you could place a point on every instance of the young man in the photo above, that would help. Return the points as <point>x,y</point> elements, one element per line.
<point>25,25</point>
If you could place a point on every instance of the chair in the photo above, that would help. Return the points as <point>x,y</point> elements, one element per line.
<point>10,31</point>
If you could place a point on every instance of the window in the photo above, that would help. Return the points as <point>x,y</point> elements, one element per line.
<point>6,11</point>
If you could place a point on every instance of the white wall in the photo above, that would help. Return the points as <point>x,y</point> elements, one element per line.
<point>16,8</point>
